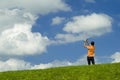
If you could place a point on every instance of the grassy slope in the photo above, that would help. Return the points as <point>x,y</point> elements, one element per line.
<point>95,72</point>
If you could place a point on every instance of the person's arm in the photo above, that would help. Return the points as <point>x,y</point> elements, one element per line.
<point>85,44</point>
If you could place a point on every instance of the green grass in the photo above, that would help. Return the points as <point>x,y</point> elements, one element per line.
<point>94,72</point>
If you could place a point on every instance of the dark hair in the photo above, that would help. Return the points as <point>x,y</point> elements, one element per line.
<point>92,43</point>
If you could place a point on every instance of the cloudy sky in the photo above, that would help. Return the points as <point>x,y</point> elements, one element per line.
<point>39,34</point>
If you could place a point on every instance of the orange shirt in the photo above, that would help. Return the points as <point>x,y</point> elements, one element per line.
<point>91,50</point>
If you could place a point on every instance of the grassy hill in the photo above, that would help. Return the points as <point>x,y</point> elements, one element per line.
<point>95,72</point>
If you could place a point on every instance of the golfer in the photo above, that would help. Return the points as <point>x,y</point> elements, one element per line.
<point>91,53</point>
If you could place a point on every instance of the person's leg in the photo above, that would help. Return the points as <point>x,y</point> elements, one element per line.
<point>88,60</point>
<point>93,61</point>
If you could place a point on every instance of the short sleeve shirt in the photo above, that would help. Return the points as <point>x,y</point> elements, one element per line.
<point>91,50</point>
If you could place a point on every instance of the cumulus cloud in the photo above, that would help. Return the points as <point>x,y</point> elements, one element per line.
<point>36,6</point>
<point>17,11</point>
<point>17,18</point>
<point>55,63</point>
<point>57,20</point>
<point>115,57</point>
<point>89,23</point>
<point>82,27</point>
<point>8,18</point>
<point>14,64</point>
<point>19,40</point>
<point>17,64</point>
<point>69,38</point>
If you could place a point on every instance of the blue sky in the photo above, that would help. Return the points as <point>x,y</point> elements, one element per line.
<point>50,33</point>
<point>72,51</point>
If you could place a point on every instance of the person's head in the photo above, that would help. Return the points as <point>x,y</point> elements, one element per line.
<point>92,43</point>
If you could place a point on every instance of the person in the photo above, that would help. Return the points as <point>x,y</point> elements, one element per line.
<point>91,53</point>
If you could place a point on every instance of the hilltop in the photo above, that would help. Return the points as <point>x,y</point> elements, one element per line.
<point>94,72</point>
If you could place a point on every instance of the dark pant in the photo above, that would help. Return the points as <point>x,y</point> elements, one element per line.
<point>90,59</point>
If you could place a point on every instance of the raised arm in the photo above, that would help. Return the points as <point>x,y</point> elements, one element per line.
<point>86,43</point>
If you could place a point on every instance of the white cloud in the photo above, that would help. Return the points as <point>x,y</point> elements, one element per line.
<point>17,11</point>
<point>36,6</point>
<point>87,23</point>
<point>19,40</point>
<point>57,20</point>
<point>16,37</point>
<point>82,27</point>
<point>14,64</point>
<point>55,63</point>
<point>68,38</point>
<point>17,18</point>
<point>115,57</point>
<point>10,17</point>
<point>17,64</point>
